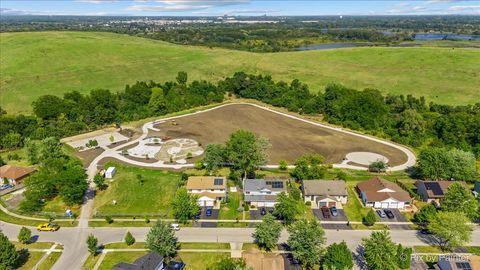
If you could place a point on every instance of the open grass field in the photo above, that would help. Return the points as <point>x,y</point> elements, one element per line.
<point>154,196</point>
<point>289,137</point>
<point>34,64</point>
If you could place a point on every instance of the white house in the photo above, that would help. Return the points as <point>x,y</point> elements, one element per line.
<point>262,192</point>
<point>380,193</point>
<point>110,172</point>
<point>325,193</point>
<point>211,190</point>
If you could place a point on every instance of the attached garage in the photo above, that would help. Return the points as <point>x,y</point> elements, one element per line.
<point>205,201</point>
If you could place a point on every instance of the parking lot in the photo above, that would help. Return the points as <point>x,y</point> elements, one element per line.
<point>340,217</point>
<point>256,213</point>
<point>398,217</point>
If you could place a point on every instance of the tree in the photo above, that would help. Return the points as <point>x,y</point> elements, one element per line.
<point>370,218</point>
<point>460,199</point>
<point>440,163</point>
<point>378,166</point>
<point>50,148</point>
<point>161,239</point>
<point>246,151</point>
<point>404,257</point>
<point>283,165</point>
<point>337,257</point>
<point>463,165</point>
<point>214,157</point>
<point>451,229</point>
<point>267,233</point>
<point>99,181</point>
<point>182,77</point>
<point>92,244</point>
<point>306,240</point>
<point>286,208</point>
<point>184,205</point>
<point>309,167</point>
<point>295,193</point>
<point>9,255</point>
<point>129,239</point>
<point>425,214</point>
<point>379,251</point>
<point>48,107</point>
<point>11,140</point>
<point>24,235</point>
<point>33,151</point>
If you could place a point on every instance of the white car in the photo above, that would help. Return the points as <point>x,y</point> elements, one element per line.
<point>175,226</point>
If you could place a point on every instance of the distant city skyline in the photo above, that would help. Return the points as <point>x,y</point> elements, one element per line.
<point>237,7</point>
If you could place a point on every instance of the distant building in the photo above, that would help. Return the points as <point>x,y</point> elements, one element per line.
<point>211,190</point>
<point>151,261</point>
<point>434,191</point>
<point>262,192</point>
<point>380,193</point>
<point>325,193</point>
<point>14,174</point>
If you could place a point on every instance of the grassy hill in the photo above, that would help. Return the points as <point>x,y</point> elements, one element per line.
<point>33,64</point>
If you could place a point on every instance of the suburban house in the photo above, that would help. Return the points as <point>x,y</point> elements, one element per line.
<point>434,191</point>
<point>380,193</point>
<point>151,261</point>
<point>325,193</point>
<point>263,192</point>
<point>211,190</point>
<point>14,174</point>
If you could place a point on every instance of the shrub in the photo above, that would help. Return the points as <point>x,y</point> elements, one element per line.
<point>147,220</point>
<point>283,165</point>
<point>370,218</point>
<point>109,219</point>
<point>309,203</point>
<point>129,239</point>
<point>24,235</point>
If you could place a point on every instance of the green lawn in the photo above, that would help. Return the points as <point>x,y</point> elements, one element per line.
<point>154,196</point>
<point>87,60</point>
<point>90,262</point>
<point>229,210</point>
<point>20,221</point>
<point>32,260</point>
<point>50,261</point>
<point>200,260</point>
<point>36,245</point>
<point>113,258</point>
<point>354,209</point>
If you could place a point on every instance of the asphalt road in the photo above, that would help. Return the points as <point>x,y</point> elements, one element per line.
<point>75,250</point>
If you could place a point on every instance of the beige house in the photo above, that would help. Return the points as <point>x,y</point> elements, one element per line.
<point>211,190</point>
<point>14,174</point>
<point>381,193</point>
<point>328,193</point>
<point>434,191</point>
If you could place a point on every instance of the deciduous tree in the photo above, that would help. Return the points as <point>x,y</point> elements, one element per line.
<point>9,255</point>
<point>460,199</point>
<point>380,252</point>
<point>161,238</point>
<point>24,235</point>
<point>286,208</point>
<point>337,257</point>
<point>267,232</point>
<point>306,241</point>
<point>451,229</point>
<point>184,205</point>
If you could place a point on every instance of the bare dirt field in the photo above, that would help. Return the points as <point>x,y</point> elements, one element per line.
<point>289,138</point>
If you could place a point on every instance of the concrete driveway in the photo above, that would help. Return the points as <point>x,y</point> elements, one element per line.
<point>214,216</point>
<point>256,214</point>
<point>398,217</point>
<point>341,215</point>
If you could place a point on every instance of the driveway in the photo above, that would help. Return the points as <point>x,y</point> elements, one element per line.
<point>203,215</point>
<point>340,217</point>
<point>256,214</point>
<point>398,217</point>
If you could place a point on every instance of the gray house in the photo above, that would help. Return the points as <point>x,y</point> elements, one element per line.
<point>434,191</point>
<point>151,261</point>
<point>262,192</point>
<point>325,193</point>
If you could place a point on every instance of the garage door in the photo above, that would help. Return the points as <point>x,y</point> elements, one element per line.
<point>332,204</point>
<point>321,204</point>
<point>394,205</point>
<point>269,204</point>
<point>206,203</point>
<point>384,205</point>
<point>260,204</point>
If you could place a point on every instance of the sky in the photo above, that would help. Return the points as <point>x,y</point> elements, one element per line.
<point>236,7</point>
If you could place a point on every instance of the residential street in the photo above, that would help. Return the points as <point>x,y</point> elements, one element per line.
<point>75,250</point>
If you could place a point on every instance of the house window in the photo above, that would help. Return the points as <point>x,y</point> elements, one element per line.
<point>311,197</point>
<point>247,192</point>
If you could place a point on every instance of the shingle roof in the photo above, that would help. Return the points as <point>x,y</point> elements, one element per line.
<point>15,172</point>
<point>251,185</point>
<point>372,187</point>
<point>260,198</point>
<point>206,182</point>
<point>324,187</point>
<point>437,189</point>
<point>147,262</point>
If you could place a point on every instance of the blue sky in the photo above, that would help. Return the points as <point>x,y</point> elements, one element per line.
<point>237,7</point>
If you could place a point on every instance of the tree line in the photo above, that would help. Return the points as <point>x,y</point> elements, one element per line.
<point>404,119</point>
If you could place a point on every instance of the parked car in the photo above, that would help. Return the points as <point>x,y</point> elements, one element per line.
<point>389,213</point>
<point>263,212</point>
<point>334,211</point>
<point>174,265</point>
<point>48,227</point>
<point>381,213</point>
<point>198,215</point>
<point>5,186</point>
<point>175,226</point>
<point>325,212</point>
<point>208,212</point>
<point>270,210</point>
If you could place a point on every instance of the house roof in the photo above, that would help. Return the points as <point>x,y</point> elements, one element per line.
<point>260,198</point>
<point>324,187</point>
<point>15,172</point>
<point>206,182</point>
<point>275,185</point>
<point>211,195</point>
<point>437,189</point>
<point>378,189</point>
<point>147,262</point>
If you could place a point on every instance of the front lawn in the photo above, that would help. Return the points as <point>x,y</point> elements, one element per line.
<point>228,210</point>
<point>200,260</point>
<point>50,261</point>
<point>354,209</point>
<point>30,261</point>
<point>113,258</point>
<point>138,192</point>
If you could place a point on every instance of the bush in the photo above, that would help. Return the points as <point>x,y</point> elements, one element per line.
<point>109,219</point>
<point>24,235</point>
<point>309,203</point>
<point>129,239</point>
<point>199,164</point>
<point>147,220</point>
<point>404,256</point>
<point>378,166</point>
<point>370,218</point>
<point>247,207</point>
<point>283,165</point>
<point>341,175</point>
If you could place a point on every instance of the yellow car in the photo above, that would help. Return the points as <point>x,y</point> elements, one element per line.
<point>48,227</point>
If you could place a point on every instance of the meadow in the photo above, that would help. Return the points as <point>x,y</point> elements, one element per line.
<point>37,63</point>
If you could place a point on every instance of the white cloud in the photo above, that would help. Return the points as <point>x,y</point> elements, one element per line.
<point>9,11</point>
<point>97,1</point>
<point>462,8</point>
<point>183,5</point>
